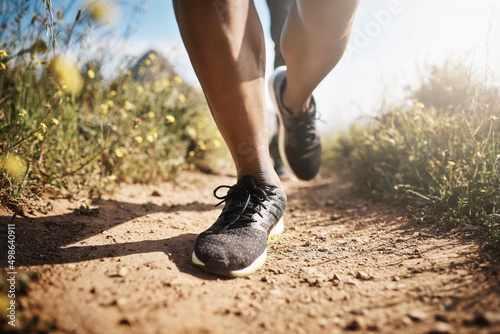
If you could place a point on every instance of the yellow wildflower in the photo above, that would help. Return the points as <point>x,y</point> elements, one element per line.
<point>191,131</point>
<point>15,166</point>
<point>151,114</point>
<point>110,103</point>
<point>102,11</point>
<point>103,108</point>
<point>128,106</point>
<point>138,139</point>
<point>23,113</point>
<point>55,121</point>
<point>150,138</point>
<point>33,56</point>
<point>170,119</point>
<point>147,62</point>
<point>177,79</point>
<point>216,143</point>
<point>119,152</point>
<point>91,74</point>
<point>3,54</point>
<point>38,136</point>
<point>419,105</point>
<point>67,73</point>
<point>202,145</point>
<point>128,73</point>
<point>43,127</point>
<point>152,56</point>
<point>139,90</point>
<point>2,66</point>
<point>191,153</point>
<point>182,98</point>
<point>112,93</point>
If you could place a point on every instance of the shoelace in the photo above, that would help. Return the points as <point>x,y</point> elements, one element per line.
<point>303,131</point>
<point>244,206</point>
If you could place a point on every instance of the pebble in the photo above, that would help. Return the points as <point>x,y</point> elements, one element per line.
<point>363,276</point>
<point>487,319</point>
<point>356,325</point>
<point>122,272</point>
<point>442,328</point>
<point>417,316</point>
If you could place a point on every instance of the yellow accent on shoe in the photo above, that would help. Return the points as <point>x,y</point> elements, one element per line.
<point>196,261</point>
<point>273,238</point>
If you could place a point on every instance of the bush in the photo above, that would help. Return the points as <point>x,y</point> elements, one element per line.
<point>63,125</point>
<point>439,155</point>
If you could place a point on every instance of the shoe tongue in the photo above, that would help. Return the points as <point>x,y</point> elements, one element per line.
<point>247,182</point>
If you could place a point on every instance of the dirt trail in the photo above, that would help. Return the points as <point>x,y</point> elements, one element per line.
<point>344,264</point>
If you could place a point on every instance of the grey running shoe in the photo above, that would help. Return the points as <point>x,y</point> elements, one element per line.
<point>299,140</point>
<point>235,245</point>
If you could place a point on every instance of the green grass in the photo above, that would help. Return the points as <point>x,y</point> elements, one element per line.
<point>65,127</point>
<point>438,155</point>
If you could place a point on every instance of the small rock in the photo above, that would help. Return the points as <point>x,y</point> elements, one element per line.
<point>442,328</point>
<point>336,280</point>
<point>487,319</point>
<point>396,278</point>
<point>356,325</point>
<point>441,318</point>
<point>322,322</point>
<point>417,316</point>
<point>156,193</point>
<point>122,272</point>
<point>124,322</point>
<point>363,276</point>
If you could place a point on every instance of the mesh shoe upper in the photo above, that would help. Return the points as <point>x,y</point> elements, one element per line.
<point>239,236</point>
<point>299,138</point>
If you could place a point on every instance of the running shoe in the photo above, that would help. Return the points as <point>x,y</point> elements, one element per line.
<point>236,244</point>
<point>274,152</point>
<point>299,141</point>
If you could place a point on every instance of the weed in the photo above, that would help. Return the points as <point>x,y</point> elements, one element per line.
<point>67,127</point>
<point>439,155</point>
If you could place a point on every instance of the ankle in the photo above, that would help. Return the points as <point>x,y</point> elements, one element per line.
<point>296,108</point>
<point>265,180</point>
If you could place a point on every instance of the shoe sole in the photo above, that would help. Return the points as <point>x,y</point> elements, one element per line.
<point>275,233</point>
<point>281,131</point>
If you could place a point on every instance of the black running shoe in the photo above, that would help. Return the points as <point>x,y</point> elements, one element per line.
<point>279,166</point>
<point>299,140</point>
<point>235,245</point>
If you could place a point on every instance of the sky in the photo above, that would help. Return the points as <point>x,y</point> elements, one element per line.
<point>392,44</point>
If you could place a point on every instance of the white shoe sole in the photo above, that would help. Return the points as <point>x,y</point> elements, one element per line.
<point>281,131</point>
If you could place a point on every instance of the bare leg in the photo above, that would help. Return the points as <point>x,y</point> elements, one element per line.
<point>314,39</point>
<point>225,43</point>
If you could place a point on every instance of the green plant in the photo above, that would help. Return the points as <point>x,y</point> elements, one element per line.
<point>66,126</point>
<point>440,156</point>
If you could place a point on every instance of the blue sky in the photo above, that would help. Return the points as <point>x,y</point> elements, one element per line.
<point>386,54</point>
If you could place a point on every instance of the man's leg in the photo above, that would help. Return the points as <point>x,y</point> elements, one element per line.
<point>225,43</point>
<point>314,39</point>
<point>278,10</point>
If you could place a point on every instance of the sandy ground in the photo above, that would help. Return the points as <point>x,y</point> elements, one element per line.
<point>343,264</point>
